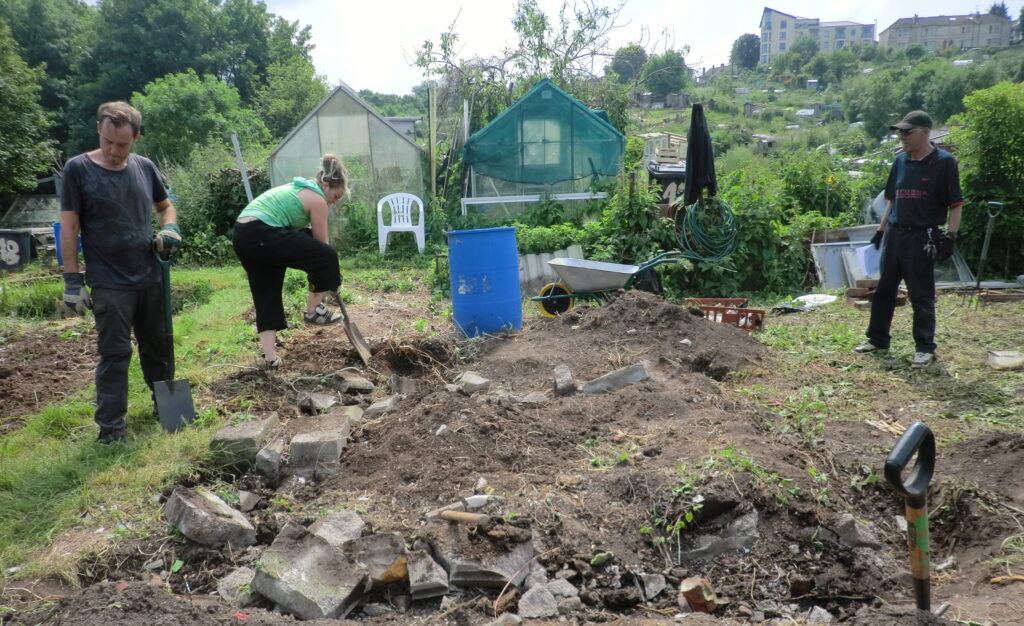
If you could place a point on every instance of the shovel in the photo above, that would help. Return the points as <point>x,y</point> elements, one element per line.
<point>352,332</point>
<point>173,397</point>
<point>918,439</point>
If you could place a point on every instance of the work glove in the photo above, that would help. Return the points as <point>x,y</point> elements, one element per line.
<point>944,246</point>
<point>76,297</point>
<point>167,240</point>
<point>876,239</point>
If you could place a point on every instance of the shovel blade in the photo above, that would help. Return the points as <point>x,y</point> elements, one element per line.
<point>356,339</point>
<point>174,404</point>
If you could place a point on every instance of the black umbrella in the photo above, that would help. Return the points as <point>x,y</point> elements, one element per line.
<point>700,158</point>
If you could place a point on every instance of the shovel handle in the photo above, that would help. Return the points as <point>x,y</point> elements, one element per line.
<point>474,519</point>
<point>917,439</point>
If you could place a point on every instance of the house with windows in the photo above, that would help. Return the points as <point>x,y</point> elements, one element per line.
<point>779,30</point>
<point>960,32</point>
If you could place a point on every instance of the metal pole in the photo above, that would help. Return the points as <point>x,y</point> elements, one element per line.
<point>241,166</point>
<point>432,138</point>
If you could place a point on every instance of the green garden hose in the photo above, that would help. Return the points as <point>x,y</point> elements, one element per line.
<point>706,230</point>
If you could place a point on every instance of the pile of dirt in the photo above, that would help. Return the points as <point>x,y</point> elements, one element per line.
<point>670,476</point>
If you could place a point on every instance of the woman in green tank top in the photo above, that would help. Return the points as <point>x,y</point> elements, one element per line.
<point>271,235</point>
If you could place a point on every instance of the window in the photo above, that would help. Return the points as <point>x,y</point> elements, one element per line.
<point>990,28</point>
<point>826,34</point>
<point>931,31</point>
<point>930,45</point>
<point>782,36</point>
<point>825,45</point>
<point>765,47</point>
<point>839,44</point>
<point>541,139</point>
<point>782,24</point>
<point>782,47</point>
<point>766,36</point>
<point>865,33</point>
<point>903,32</point>
<point>841,33</point>
<point>764,58</point>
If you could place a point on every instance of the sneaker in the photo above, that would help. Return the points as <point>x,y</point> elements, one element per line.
<point>867,347</point>
<point>922,359</point>
<point>322,316</point>
<point>111,436</point>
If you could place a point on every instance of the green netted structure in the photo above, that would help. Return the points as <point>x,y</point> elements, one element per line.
<point>546,143</point>
<point>380,158</point>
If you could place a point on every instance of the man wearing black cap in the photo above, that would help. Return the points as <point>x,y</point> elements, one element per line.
<point>922,191</point>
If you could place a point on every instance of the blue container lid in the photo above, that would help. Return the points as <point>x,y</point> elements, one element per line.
<point>475,231</point>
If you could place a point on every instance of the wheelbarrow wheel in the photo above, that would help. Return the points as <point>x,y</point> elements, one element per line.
<point>553,307</point>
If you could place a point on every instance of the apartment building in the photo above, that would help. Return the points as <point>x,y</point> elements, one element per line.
<point>962,32</point>
<point>779,30</point>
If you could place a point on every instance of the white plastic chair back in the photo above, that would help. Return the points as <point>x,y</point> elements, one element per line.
<point>401,206</point>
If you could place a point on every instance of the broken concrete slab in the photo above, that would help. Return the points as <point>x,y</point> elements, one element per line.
<point>312,402</point>
<point>535,398</point>
<point>697,594</point>
<point>268,461</point>
<point>427,579</point>
<point>565,384</point>
<point>738,534</point>
<point>206,519</point>
<point>316,453</point>
<point>538,603</point>
<point>236,588</point>
<point>380,407</point>
<point>487,568</point>
<point>569,606</point>
<point>383,555</point>
<point>506,619</point>
<point>618,379</point>
<point>653,584</point>
<point>853,533</point>
<point>338,527</point>
<point>247,501</point>
<point>471,382</point>
<point>239,442</point>
<point>561,588</point>
<point>308,577</point>
<point>350,382</point>
<point>402,386</point>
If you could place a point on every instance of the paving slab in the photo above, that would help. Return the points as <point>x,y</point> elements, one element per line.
<point>206,519</point>
<point>268,461</point>
<point>618,379</point>
<point>236,588</point>
<point>339,527</point>
<point>238,443</point>
<point>427,579</point>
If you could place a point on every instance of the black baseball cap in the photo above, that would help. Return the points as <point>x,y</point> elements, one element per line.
<point>913,119</point>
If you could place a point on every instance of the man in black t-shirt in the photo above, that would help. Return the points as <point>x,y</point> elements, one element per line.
<point>922,190</point>
<point>109,196</point>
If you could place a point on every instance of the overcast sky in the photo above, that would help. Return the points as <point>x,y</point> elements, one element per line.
<point>369,45</point>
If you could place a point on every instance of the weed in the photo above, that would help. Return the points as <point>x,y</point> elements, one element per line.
<point>671,516</point>
<point>782,488</point>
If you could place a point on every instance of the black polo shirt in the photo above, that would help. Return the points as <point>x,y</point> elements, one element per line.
<point>922,192</point>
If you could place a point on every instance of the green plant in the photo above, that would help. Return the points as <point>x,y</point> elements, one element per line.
<point>672,515</point>
<point>783,489</point>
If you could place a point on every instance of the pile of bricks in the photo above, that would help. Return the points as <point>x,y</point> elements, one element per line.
<point>861,295</point>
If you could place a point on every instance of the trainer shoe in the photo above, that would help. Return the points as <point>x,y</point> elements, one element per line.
<point>922,359</point>
<point>867,347</point>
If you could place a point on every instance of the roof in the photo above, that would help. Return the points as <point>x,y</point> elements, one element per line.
<point>352,94</point>
<point>943,20</point>
<point>841,23</point>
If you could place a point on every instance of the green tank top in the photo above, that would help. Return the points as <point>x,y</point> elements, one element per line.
<point>281,206</point>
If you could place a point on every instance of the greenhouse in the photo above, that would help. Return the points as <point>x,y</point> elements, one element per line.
<point>547,144</point>
<point>380,158</point>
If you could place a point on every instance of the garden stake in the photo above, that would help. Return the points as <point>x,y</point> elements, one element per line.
<point>918,439</point>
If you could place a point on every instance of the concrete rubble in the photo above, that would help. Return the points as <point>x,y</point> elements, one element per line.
<point>735,534</point>
<point>308,577</point>
<point>565,384</point>
<point>618,379</point>
<point>311,402</point>
<point>339,527</point>
<point>316,452</point>
<point>269,459</point>
<point>383,555</point>
<point>206,519</point>
<point>427,579</point>
<point>535,398</point>
<point>653,584</point>
<point>353,383</point>
<point>238,443</point>
<point>402,386</point>
<point>471,382</point>
<point>236,588</point>
<point>538,603</point>
<point>380,407</point>
<point>452,541</point>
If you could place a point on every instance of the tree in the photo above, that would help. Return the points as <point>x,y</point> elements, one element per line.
<point>628,62</point>
<point>999,9</point>
<point>292,89</point>
<point>181,112</point>
<point>990,144</point>
<point>746,51</point>
<point>665,73</point>
<point>24,151</point>
<point>805,47</point>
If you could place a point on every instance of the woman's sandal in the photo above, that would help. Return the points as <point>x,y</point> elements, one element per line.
<point>271,364</point>
<point>322,316</point>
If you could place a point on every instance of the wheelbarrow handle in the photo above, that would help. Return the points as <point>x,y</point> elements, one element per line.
<point>664,257</point>
<point>919,439</point>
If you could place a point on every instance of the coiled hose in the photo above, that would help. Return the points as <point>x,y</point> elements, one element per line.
<point>707,230</point>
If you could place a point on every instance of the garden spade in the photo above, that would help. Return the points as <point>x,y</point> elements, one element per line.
<point>352,332</point>
<point>918,441</point>
<point>173,396</point>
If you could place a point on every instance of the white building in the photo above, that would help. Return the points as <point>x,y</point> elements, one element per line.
<point>779,30</point>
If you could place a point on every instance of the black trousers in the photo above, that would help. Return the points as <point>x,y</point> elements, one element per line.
<point>118,314</point>
<point>266,252</point>
<point>905,257</point>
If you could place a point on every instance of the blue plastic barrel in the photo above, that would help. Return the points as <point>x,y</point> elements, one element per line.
<point>483,265</point>
<point>56,241</point>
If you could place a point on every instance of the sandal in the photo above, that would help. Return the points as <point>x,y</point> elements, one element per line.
<point>322,316</point>
<point>271,364</point>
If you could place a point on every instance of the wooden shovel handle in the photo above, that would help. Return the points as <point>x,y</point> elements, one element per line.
<point>476,519</point>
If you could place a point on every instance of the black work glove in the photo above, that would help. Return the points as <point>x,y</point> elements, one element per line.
<point>944,247</point>
<point>76,297</point>
<point>168,240</point>
<point>876,239</point>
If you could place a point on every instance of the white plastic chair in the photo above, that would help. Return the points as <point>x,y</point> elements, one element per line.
<point>401,219</point>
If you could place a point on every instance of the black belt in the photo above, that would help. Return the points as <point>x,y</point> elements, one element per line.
<point>899,227</point>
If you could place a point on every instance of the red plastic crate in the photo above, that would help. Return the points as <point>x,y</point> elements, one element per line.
<point>746,319</point>
<point>702,302</point>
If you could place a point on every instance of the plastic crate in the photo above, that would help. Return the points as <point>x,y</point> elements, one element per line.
<point>746,319</point>
<point>703,302</point>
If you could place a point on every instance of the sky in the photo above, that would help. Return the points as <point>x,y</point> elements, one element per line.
<point>371,46</point>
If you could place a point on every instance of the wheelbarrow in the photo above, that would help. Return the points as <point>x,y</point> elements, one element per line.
<point>591,280</point>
